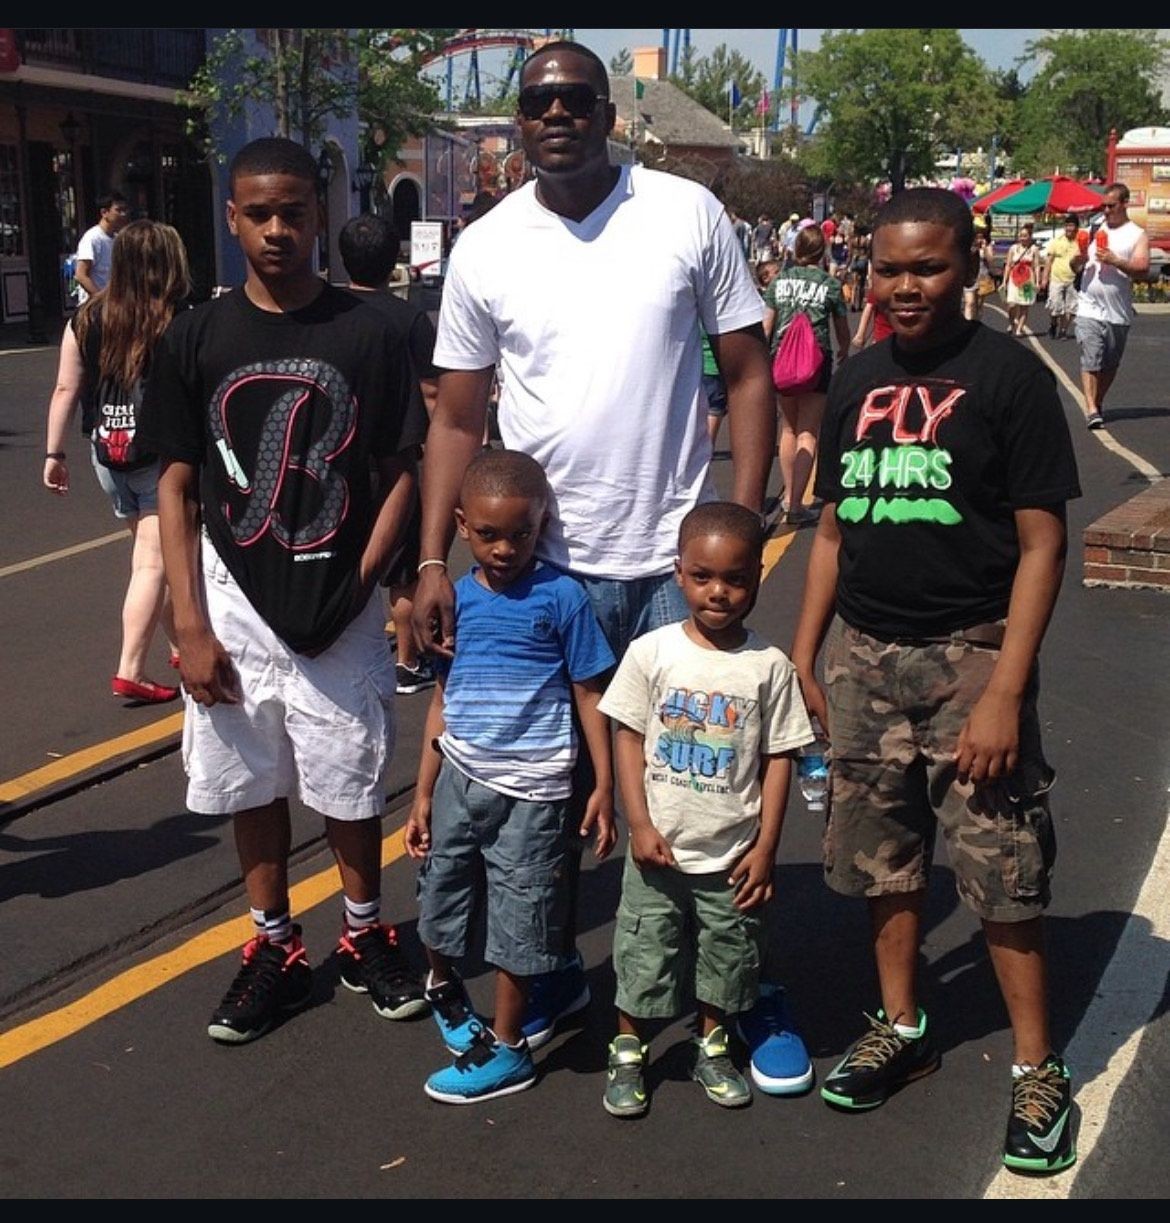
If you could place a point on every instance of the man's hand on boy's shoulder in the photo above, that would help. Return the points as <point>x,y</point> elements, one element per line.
<point>752,877</point>
<point>599,819</point>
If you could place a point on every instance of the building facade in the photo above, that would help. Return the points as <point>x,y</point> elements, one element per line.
<point>83,112</point>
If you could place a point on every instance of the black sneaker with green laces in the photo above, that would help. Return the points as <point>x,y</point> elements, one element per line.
<point>879,1063</point>
<point>1039,1131</point>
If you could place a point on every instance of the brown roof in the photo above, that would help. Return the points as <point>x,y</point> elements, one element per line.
<point>668,116</point>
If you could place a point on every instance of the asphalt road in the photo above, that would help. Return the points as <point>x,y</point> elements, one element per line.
<point>121,922</point>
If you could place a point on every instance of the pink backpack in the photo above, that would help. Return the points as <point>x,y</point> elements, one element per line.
<point>796,367</point>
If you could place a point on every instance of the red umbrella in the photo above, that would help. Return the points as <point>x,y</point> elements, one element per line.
<point>1057,193</point>
<point>983,202</point>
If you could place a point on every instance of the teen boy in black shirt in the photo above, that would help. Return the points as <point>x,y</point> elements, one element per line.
<point>283,414</point>
<point>945,463</point>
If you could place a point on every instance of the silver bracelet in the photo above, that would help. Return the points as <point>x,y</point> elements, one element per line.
<point>434,560</point>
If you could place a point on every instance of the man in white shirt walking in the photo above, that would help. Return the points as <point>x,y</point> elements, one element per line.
<point>1117,252</point>
<point>97,243</point>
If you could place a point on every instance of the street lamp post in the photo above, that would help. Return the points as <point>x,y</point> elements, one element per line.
<point>363,180</point>
<point>324,178</point>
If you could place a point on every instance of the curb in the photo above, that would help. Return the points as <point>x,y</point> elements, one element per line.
<point>86,779</point>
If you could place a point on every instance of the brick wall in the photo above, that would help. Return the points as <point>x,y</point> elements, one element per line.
<point>1130,546</point>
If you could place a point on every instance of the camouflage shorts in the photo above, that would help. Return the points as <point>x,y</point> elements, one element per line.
<point>896,711</point>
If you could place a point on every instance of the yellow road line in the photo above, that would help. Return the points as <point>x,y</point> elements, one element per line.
<point>774,549</point>
<point>88,758</point>
<point>142,979</point>
<point>49,557</point>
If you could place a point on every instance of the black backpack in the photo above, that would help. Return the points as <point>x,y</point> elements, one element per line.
<point>115,439</point>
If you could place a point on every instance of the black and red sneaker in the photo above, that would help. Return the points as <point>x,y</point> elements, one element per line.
<point>373,963</point>
<point>273,980</point>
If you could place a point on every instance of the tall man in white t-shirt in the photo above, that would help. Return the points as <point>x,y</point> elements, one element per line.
<point>588,287</point>
<point>1118,251</point>
<point>95,249</point>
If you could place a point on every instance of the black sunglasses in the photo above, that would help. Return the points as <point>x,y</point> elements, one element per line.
<point>579,100</point>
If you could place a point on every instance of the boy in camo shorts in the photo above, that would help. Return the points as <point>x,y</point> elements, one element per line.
<point>945,464</point>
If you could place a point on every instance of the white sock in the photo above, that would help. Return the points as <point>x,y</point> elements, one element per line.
<point>361,914</point>
<point>908,1032</point>
<point>278,926</point>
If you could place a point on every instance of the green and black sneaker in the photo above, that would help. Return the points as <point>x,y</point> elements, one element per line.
<point>1039,1130</point>
<point>714,1070</point>
<point>625,1089</point>
<point>879,1063</point>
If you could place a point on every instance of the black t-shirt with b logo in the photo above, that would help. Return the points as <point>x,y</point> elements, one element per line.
<point>286,414</point>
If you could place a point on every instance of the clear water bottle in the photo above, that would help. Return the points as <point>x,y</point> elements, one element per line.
<point>812,769</point>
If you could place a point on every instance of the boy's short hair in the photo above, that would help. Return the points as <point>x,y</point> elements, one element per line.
<point>369,249</point>
<point>722,518</point>
<point>108,199</point>
<point>932,206</point>
<point>1072,219</point>
<point>504,473</point>
<point>273,155</point>
<point>809,245</point>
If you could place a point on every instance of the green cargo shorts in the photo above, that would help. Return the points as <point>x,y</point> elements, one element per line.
<point>896,710</point>
<point>673,929</point>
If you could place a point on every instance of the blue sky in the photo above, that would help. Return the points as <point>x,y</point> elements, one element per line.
<point>997,48</point>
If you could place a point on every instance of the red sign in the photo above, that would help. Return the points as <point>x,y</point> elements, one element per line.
<point>9,51</point>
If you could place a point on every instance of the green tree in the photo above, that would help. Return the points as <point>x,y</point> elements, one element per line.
<point>893,100</point>
<point>308,75</point>
<point>706,79</point>
<point>621,64</point>
<point>1086,82</point>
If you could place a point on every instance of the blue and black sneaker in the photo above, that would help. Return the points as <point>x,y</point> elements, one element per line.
<point>1039,1131</point>
<point>486,1070</point>
<point>879,1063</point>
<point>553,996</point>
<point>454,1014</point>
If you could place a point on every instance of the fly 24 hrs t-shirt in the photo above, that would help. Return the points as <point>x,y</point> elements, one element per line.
<point>286,415</point>
<point>926,457</point>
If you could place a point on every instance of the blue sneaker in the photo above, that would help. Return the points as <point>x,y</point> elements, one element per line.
<point>453,1012</point>
<point>553,996</point>
<point>486,1070</point>
<point>780,1061</point>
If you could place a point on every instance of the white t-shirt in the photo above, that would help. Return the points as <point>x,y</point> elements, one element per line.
<point>595,327</point>
<point>708,717</point>
<point>97,246</point>
<point>1107,292</point>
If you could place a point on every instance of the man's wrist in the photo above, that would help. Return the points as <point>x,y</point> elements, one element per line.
<point>59,455</point>
<point>431,561</point>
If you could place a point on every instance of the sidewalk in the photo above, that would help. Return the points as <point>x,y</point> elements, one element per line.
<point>15,335</point>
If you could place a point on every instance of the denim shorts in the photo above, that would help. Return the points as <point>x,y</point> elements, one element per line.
<point>896,710</point>
<point>674,930</point>
<point>521,846</point>
<point>627,608</point>
<point>715,389</point>
<point>132,493</point>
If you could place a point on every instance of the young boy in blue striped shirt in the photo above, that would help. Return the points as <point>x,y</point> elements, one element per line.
<point>495,775</point>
